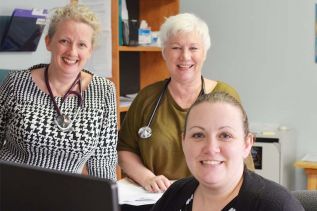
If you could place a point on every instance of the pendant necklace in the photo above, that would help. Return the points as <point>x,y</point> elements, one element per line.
<point>62,121</point>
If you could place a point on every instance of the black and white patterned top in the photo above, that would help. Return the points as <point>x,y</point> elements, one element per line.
<point>29,135</point>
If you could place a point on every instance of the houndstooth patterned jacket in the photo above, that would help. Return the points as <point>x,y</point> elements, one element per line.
<point>29,135</point>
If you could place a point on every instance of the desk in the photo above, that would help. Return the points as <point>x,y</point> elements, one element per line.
<point>133,197</point>
<point>311,173</point>
<point>126,207</point>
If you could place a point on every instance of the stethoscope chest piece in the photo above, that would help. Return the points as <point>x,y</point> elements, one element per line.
<point>145,132</point>
<point>62,121</point>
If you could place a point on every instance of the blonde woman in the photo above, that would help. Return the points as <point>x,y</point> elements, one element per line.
<point>59,115</point>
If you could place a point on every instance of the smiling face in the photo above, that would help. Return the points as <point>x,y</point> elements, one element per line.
<point>184,55</point>
<point>70,46</point>
<point>215,144</point>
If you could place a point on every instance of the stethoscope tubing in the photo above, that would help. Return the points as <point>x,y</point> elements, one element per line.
<point>158,102</point>
<point>57,109</point>
<point>146,131</point>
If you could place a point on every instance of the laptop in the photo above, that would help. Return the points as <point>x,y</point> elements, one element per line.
<point>32,188</point>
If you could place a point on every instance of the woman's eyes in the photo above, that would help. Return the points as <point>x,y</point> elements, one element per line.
<point>67,42</point>
<point>193,48</point>
<point>63,41</point>
<point>224,136</point>
<point>190,48</point>
<point>82,45</point>
<point>198,135</point>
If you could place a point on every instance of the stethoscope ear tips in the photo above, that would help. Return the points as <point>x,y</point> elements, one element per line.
<point>145,132</point>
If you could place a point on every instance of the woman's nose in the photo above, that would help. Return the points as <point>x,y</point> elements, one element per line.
<point>73,49</point>
<point>211,145</point>
<point>185,54</point>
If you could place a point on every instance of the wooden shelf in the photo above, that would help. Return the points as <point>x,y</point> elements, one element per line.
<point>144,64</point>
<point>139,48</point>
<point>123,108</point>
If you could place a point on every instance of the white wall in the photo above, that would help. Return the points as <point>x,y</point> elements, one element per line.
<point>265,49</point>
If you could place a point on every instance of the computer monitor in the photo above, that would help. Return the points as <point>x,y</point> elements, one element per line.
<point>32,188</point>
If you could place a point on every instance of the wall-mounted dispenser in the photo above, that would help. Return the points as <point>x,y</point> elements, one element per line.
<point>24,30</point>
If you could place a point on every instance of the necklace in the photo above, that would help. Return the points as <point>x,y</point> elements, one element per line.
<point>62,121</point>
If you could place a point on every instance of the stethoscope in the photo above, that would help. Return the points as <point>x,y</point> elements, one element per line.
<point>146,131</point>
<point>62,121</point>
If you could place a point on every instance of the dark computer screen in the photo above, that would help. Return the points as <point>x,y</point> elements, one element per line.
<point>32,188</point>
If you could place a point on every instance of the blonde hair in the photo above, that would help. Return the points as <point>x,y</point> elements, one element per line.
<point>77,12</point>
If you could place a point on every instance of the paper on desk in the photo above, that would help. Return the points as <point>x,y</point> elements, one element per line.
<point>130,193</point>
<point>127,99</point>
<point>310,157</point>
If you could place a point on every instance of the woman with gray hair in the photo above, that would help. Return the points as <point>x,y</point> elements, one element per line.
<point>149,145</point>
<point>59,115</point>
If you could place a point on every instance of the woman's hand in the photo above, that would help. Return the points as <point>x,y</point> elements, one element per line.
<point>133,167</point>
<point>156,184</point>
